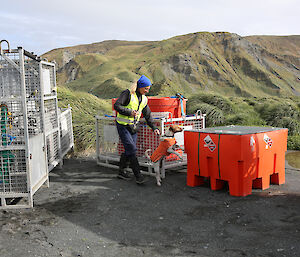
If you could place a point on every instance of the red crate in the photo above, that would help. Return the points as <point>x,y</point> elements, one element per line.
<point>245,157</point>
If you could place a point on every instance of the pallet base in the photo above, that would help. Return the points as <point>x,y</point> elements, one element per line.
<point>15,202</point>
<point>236,187</point>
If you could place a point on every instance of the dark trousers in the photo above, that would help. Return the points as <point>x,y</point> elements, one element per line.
<point>128,140</point>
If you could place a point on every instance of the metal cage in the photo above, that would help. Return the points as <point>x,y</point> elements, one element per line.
<point>109,146</point>
<point>30,131</point>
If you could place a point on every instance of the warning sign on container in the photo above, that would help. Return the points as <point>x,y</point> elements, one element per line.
<point>268,141</point>
<point>209,143</point>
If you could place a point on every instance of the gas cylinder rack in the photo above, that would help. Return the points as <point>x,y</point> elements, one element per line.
<point>30,134</point>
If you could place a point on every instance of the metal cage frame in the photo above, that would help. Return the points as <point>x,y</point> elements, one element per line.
<point>30,142</point>
<point>109,146</point>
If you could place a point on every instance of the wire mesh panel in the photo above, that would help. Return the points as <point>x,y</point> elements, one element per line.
<point>33,97</point>
<point>51,116</point>
<point>146,139</point>
<point>107,137</point>
<point>66,131</point>
<point>13,176</point>
<point>196,122</point>
<point>109,146</point>
<point>53,150</point>
<point>12,124</point>
<point>10,76</point>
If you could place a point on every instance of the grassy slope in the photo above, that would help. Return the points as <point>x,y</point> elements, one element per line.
<point>251,78</point>
<point>279,45</point>
<point>285,50</point>
<point>84,109</point>
<point>215,62</point>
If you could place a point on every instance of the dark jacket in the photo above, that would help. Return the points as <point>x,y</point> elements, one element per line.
<point>124,100</point>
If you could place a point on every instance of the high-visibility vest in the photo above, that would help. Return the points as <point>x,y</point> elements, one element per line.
<point>133,105</point>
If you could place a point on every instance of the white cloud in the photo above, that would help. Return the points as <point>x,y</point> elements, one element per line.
<point>41,26</point>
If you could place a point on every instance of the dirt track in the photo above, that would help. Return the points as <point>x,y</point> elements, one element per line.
<point>88,212</point>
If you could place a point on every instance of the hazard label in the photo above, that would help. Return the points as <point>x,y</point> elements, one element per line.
<point>209,143</point>
<point>268,141</point>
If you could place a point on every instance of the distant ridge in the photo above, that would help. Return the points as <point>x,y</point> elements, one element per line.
<point>219,62</point>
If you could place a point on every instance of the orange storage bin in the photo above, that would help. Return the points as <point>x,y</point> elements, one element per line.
<point>245,157</point>
<point>162,106</point>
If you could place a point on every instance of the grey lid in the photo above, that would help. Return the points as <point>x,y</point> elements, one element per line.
<point>236,130</point>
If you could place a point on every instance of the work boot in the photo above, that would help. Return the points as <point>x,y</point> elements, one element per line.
<point>134,164</point>
<point>141,179</point>
<point>124,175</point>
<point>122,165</point>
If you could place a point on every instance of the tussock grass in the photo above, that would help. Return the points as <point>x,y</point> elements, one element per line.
<point>294,142</point>
<point>214,116</point>
<point>275,112</point>
<point>84,109</point>
<point>218,101</point>
<point>281,114</point>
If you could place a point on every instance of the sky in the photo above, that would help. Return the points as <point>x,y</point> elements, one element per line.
<point>40,26</point>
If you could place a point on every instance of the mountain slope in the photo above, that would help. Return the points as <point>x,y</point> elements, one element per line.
<point>212,62</point>
<point>236,80</point>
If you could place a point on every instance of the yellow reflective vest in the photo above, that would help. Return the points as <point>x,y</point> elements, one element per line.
<point>133,105</point>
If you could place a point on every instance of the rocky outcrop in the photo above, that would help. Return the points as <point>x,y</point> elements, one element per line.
<point>72,70</point>
<point>67,57</point>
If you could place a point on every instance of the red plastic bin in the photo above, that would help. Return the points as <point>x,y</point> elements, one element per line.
<point>245,157</point>
<point>161,105</point>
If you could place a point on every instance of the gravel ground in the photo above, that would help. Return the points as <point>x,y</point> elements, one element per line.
<point>88,212</point>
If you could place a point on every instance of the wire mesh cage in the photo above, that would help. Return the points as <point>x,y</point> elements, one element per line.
<point>30,132</point>
<point>109,147</point>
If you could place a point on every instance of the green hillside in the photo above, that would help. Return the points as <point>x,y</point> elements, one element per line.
<point>211,62</point>
<point>253,77</point>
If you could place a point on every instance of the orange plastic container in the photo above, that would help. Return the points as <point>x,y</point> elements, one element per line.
<point>162,106</point>
<point>245,157</point>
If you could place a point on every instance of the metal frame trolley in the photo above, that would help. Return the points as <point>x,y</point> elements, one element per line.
<point>30,144</point>
<point>109,146</point>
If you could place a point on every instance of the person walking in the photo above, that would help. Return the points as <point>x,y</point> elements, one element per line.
<point>130,105</point>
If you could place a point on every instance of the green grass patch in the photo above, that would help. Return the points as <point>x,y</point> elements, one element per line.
<point>272,111</point>
<point>84,109</point>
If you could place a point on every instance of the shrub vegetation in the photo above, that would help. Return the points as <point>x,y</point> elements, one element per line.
<point>275,112</point>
